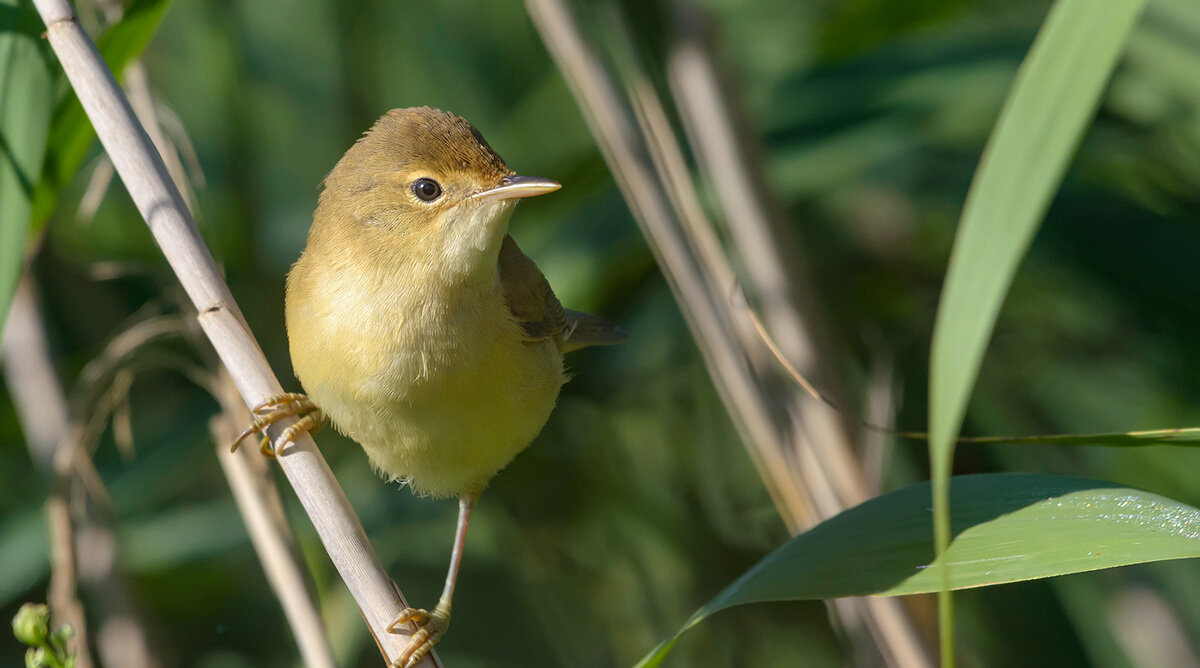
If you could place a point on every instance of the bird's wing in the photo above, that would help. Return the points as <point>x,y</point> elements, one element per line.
<point>532,302</point>
<point>528,294</point>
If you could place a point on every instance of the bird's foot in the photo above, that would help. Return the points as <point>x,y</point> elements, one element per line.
<point>274,409</point>
<point>430,626</point>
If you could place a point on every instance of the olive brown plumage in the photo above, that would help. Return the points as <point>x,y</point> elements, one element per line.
<point>418,327</point>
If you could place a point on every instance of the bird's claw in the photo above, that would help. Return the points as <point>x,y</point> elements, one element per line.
<point>430,627</point>
<point>276,408</point>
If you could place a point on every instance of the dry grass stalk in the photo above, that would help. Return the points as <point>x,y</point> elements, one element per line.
<point>37,394</point>
<point>62,596</point>
<point>162,206</point>
<point>249,479</point>
<point>647,198</point>
<point>77,526</point>
<point>823,439</point>
<point>803,450</point>
<point>262,511</point>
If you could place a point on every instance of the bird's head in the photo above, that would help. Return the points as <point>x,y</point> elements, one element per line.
<point>425,181</point>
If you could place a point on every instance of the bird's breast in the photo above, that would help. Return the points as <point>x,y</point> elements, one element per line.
<point>391,336</point>
<point>435,382</point>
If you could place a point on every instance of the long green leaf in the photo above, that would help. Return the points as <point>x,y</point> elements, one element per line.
<point>26,97</point>
<point>1051,103</point>
<point>1007,528</point>
<point>71,133</point>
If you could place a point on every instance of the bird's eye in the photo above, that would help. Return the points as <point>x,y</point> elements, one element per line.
<point>426,189</point>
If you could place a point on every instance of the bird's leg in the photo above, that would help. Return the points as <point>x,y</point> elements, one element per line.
<point>276,408</point>
<point>430,626</point>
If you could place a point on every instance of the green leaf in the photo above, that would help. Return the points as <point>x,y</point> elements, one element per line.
<point>23,551</point>
<point>71,133</point>
<point>1051,103</point>
<point>1007,528</point>
<point>26,97</point>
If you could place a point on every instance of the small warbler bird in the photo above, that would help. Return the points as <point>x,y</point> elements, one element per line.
<point>418,327</point>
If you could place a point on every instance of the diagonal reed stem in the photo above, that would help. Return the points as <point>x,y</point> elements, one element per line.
<point>163,208</point>
<point>802,449</point>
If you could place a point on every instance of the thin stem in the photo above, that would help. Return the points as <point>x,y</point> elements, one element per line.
<point>63,595</point>
<point>37,394</point>
<point>646,196</point>
<point>262,511</point>
<point>942,535</point>
<point>56,427</point>
<point>802,449</point>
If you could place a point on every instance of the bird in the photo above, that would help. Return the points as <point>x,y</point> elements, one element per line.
<point>419,328</point>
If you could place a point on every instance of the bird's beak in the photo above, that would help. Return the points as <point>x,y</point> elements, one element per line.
<point>513,187</point>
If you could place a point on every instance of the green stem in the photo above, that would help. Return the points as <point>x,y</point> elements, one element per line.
<point>941,539</point>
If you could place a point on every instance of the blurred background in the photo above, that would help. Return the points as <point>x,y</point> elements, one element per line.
<point>640,500</point>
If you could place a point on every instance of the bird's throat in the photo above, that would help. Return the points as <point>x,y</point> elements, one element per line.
<point>473,236</point>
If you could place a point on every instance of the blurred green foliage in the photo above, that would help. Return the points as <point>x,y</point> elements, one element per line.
<point>638,503</point>
<point>72,134</point>
<point>26,87</point>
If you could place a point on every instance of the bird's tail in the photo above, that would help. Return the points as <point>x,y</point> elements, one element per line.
<point>585,329</point>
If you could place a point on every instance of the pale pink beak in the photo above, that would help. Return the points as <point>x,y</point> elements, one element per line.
<point>513,187</point>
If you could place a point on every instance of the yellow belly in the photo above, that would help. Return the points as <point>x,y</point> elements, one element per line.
<point>439,389</point>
